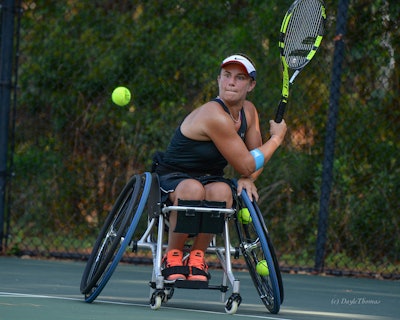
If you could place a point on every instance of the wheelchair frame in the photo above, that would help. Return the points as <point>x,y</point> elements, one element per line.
<point>127,227</point>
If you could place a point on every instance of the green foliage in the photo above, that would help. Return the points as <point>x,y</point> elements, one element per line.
<point>75,149</point>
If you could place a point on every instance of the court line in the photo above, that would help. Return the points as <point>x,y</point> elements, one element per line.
<point>337,315</point>
<point>334,315</point>
<point>25,295</point>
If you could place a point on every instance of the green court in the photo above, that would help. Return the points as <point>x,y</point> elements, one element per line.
<point>45,289</point>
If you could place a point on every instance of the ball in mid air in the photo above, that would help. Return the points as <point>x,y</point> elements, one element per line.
<point>121,96</point>
<point>262,268</point>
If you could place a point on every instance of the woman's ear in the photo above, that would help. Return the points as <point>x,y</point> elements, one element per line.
<point>252,85</point>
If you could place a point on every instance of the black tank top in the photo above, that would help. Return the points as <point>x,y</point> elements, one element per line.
<point>196,157</point>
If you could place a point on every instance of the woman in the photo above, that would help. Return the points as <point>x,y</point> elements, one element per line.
<point>224,130</point>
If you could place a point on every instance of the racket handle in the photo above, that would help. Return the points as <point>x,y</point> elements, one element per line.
<point>280,111</point>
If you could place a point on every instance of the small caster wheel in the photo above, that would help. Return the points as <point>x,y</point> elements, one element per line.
<point>232,308</point>
<point>157,303</point>
<point>233,303</point>
<point>156,299</point>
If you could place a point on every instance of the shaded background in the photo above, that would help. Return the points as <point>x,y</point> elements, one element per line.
<point>71,150</point>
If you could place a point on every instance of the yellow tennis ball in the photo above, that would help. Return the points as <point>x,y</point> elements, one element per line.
<point>244,216</point>
<point>121,96</point>
<point>262,268</point>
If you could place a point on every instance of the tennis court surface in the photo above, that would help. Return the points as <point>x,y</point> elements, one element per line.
<point>44,289</point>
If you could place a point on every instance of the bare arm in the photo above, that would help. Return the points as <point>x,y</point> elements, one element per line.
<point>235,151</point>
<point>211,123</point>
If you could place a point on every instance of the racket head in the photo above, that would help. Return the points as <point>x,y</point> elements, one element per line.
<point>301,32</point>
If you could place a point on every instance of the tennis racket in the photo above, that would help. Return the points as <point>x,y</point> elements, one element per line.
<point>301,34</point>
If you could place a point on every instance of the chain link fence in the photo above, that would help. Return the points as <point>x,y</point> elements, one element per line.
<point>72,150</point>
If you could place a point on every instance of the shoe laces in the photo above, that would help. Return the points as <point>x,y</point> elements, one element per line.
<point>196,259</point>
<point>173,258</point>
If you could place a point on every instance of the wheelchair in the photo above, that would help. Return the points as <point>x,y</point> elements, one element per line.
<point>139,221</point>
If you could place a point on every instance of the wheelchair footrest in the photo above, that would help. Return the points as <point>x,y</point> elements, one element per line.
<point>191,284</point>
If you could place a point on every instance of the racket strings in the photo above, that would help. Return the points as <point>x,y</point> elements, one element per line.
<point>305,25</point>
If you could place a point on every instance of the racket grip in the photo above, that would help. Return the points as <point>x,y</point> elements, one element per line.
<point>280,111</point>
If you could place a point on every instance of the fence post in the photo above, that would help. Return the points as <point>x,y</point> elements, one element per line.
<point>6,63</point>
<point>330,135</point>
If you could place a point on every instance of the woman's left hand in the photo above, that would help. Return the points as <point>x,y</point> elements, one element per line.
<point>251,189</point>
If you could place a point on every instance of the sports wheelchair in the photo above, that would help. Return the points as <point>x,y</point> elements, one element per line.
<point>139,221</point>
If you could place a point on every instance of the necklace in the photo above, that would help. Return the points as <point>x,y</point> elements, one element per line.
<point>234,120</point>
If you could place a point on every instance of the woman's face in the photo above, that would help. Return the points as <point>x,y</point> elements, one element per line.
<point>234,83</point>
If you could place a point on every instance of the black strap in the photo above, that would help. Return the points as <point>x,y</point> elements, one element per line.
<point>185,270</point>
<point>243,126</point>
<point>198,272</point>
<point>175,270</point>
<point>222,104</point>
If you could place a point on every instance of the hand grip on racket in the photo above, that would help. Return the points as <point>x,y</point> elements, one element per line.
<point>301,34</point>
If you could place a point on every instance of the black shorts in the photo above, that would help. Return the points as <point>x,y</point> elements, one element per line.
<point>169,182</point>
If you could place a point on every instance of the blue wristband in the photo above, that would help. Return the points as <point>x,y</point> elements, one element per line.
<point>258,158</point>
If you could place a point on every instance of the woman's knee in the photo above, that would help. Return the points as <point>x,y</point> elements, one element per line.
<point>188,189</point>
<point>219,191</point>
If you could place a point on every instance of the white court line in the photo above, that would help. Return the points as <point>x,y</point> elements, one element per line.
<point>334,315</point>
<point>25,295</point>
<point>337,315</point>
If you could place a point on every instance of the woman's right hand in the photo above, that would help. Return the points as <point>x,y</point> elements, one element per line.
<point>277,130</point>
<point>249,186</point>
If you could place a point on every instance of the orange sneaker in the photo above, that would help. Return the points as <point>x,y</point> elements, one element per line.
<point>197,266</point>
<point>172,266</point>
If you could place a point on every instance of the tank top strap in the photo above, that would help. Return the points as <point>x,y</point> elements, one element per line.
<point>222,104</point>
<point>243,126</point>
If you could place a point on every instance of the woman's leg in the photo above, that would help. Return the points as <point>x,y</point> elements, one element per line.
<point>215,191</point>
<point>188,189</point>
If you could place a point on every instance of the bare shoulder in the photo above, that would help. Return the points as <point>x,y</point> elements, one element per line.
<point>208,112</point>
<point>213,107</point>
<point>203,119</point>
<point>251,112</point>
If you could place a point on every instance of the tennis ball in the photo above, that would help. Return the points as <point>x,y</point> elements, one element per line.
<point>121,96</point>
<point>262,268</point>
<point>244,216</point>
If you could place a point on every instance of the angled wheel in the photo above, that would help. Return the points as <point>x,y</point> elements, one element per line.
<point>256,246</point>
<point>232,304</point>
<point>115,236</point>
<point>232,308</point>
<point>273,254</point>
<point>156,299</point>
<point>271,250</point>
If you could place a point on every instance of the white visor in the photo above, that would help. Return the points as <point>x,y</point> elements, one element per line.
<point>238,59</point>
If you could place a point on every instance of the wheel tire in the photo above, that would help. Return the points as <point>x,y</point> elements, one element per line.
<point>255,246</point>
<point>115,236</point>
<point>232,308</point>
